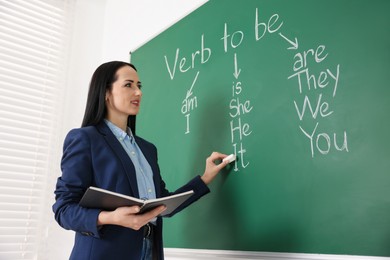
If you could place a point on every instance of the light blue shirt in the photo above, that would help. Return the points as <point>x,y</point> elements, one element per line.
<point>143,170</point>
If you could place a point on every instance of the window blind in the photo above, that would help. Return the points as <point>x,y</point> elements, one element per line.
<point>34,41</point>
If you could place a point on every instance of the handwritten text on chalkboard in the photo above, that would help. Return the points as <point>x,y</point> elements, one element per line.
<point>189,103</point>
<point>313,106</point>
<point>307,82</point>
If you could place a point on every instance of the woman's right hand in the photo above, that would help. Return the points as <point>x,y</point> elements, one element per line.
<point>128,217</point>
<point>212,169</point>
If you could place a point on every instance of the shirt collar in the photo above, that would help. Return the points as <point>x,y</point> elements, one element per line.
<point>118,132</point>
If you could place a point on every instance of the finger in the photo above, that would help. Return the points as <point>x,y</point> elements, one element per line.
<point>224,163</point>
<point>134,209</point>
<point>128,210</point>
<point>221,165</point>
<point>216,155</point>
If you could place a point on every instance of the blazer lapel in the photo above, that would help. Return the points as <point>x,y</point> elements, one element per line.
<point>118,150</point>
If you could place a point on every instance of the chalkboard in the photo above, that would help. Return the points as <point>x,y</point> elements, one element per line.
<point>299,91</point>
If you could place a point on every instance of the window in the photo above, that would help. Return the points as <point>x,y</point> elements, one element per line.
<point>34,40</point>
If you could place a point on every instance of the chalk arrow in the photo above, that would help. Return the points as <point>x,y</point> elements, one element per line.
<point>189,92</point>
<point>294,45</point>
<point>236,70</point>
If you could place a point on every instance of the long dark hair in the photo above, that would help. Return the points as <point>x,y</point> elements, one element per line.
<point>101,81</point>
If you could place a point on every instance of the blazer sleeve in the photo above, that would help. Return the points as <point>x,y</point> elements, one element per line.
<point>196,184</point>
<point>76,166</point>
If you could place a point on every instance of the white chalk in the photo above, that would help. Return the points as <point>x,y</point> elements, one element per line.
<point>230,158</point>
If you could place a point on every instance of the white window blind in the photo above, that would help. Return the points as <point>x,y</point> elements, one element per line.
<point>34,41</point>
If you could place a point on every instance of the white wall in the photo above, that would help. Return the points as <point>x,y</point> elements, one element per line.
<point>130,24</point>
<point>106,30</point>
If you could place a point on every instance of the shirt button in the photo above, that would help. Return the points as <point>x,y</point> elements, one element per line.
<point>150,190</point>
<point>132,153</point>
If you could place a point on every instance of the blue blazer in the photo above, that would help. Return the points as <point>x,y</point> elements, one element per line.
<point>92,156</point>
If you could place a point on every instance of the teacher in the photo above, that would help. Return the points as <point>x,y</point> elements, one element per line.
<point>106,153</point>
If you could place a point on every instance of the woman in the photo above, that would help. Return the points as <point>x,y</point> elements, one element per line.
<point>106,153</point>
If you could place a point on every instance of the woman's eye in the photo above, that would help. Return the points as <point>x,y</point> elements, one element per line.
<point>130,85</point>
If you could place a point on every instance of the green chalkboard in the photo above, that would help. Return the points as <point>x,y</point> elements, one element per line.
<point>300,91</point>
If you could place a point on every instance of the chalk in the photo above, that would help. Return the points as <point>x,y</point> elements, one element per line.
<point>230,158</point>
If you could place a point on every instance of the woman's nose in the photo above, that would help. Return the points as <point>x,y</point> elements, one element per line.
<point>138,91</point>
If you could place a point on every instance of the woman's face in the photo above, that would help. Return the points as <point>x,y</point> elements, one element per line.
<point>124,98</point>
